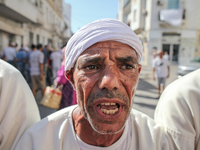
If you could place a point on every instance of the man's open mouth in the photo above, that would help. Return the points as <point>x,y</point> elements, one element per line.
<point>109,108</point>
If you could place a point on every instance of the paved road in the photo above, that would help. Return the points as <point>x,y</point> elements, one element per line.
<point>145,97</point>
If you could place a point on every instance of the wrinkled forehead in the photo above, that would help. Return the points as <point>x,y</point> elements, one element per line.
<point>112,49</point>
<point>108,46</point>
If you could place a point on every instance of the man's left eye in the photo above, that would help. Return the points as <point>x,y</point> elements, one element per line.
<point>126,67</point>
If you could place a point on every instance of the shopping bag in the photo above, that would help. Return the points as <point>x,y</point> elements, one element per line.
<point>52,97</point>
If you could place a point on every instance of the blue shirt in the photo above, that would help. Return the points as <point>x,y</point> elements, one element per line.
<point>46,55</point>
<point>21,58</point>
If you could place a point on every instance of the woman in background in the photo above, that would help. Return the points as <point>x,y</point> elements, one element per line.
<point>68,93</point>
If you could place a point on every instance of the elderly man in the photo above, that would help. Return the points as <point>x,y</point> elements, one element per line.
<point>102,64</point>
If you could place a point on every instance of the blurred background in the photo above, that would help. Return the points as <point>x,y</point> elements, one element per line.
<point>169,25</point>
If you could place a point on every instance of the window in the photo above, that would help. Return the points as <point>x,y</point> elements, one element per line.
<point>134,15</point>
<point>41,4</point>
<point>38,39</point>
<point>30,38</point>
<point>10,37</point>
<point>47,14</point>
<point>126,2</point>
<point>43,40</point>
<point>173,4</point>
<point>199,39</point>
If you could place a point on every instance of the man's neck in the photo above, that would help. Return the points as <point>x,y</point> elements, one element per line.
<point>86,133</point>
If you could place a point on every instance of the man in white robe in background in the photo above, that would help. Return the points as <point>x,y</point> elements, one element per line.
<point>18,110</point>
<point>178,110</point>
<point>102,64</point>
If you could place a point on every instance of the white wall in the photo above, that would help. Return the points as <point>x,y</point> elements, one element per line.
<point>23,7</point>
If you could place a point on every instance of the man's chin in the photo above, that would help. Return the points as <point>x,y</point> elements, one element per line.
<point>104,123</point>
<point>108,131</point>
<point>103,128</point>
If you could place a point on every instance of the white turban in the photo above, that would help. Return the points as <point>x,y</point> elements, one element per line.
<point>98,31</point>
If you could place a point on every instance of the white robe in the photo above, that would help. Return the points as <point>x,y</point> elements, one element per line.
<point>18,110</point>
<point>56,132</point>
<point>179,111</point>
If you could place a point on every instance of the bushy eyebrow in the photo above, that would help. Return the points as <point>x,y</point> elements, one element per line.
<point>127,59</point>
<point>92,60</point>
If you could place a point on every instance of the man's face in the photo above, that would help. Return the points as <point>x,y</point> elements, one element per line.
<point>105,78</point>
<point>160,54</point>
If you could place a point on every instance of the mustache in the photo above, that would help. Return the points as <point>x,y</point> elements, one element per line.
<point>104,93</point>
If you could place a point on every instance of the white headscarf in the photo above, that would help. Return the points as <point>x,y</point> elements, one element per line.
<point>98,31</point>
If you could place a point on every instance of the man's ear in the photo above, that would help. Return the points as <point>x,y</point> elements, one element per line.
<point>69,76</point>
<point>139,68</point>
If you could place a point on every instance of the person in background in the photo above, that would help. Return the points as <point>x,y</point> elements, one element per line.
<point>21,61</point>
<point>36,60</point>
<point>56,59</point>
<point>18,110</point>
<point>154,53</point>
<point>166,55</point>
<point>178,111</point>
<point>161,71</point>
<point>46,57</point>
<point>9,54</point>
<point>68,93</point>
<point>48,65</point>
<point>28,77</point>
<point>16,47</point>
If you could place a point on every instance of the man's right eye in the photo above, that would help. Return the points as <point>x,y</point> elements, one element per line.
<point>91,67</point>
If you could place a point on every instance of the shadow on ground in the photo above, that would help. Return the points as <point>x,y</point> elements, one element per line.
<point>145,86</point>
<point>147,97</point>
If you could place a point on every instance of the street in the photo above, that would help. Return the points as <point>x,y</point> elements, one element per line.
<point>146,97</point>
<point>146,94</point>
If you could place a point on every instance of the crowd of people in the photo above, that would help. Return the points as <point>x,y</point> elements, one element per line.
<point>39,66</point>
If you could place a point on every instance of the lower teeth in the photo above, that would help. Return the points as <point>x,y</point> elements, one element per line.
<point>109,112</point>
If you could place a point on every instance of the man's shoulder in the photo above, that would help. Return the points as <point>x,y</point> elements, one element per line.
<point>137,115</point>
<point>156,59</point>
<point>33,52</point>
<point>145,126</point>
<point>39,52</point>
<point>164,59</point>
<point>141,121</point>
<point>52,121</point>
<point>6,48</point>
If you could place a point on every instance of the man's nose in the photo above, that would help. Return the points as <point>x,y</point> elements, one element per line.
<point>109,79</point>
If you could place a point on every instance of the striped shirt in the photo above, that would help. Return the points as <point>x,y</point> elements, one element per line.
<point>10,53</point>
<point>35,58</point>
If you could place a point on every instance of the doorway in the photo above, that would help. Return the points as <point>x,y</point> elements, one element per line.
<point>173,51</point>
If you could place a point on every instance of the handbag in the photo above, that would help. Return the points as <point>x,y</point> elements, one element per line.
<point>52,97</point>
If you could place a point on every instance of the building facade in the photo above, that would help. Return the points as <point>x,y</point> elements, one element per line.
<point>29,22</point>
<point>168,25</point>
